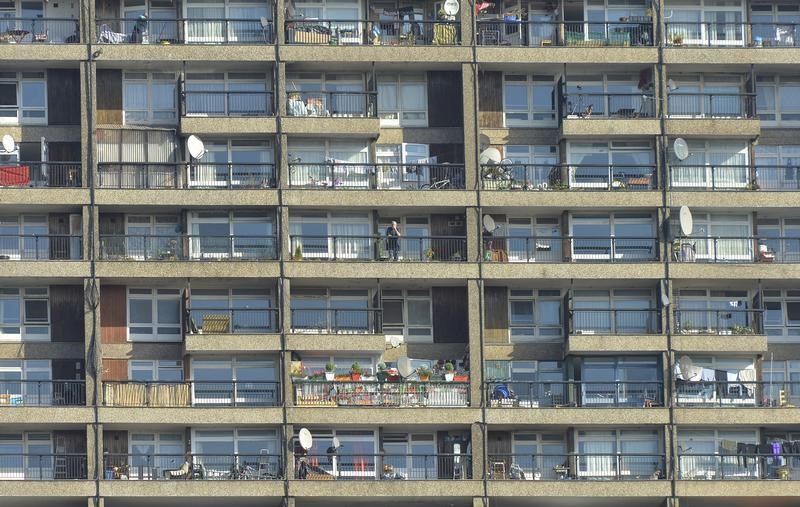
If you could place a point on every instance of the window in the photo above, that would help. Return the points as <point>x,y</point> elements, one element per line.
<point>344,12</point>
<point>345,235</point>
<point>328,163</point>
<point>234,164</point>
<point>778,167</point>
<point>19,467</point>
<point>714,312</point>
<point>227,93</point>
<point>627,236</point>
<point>24,315</point>
<point>720,237</point>
<point>248,311</point>
<point>712,164</point>
<point>28,393</point>
<point>149,98</point>
<point>781,236</point>
<point>535,452</point>
<point>315,365</point>
<point>408,312</point>
<point>413,455</point>
<point>529,100</point>
<point>415,239</point>
<point>392,171</point>
<point>206,21</point>
<point>706,22</point>
<point>320,94</point>
<point>154,315</point>
<point>533,239</point>
<point>707,96</point>
<point>536,383</point>
<point>533,166</point>
<point>156,371</point>
<point>331,311</point>
<point>613,164</point>
<point>239,382</point>
<point>356,456</point>
<point>599,451</point>
<point>24,237</point>
<point>152,452</point>
<point>242,235</point>
<point>782,376</point>
<point>402,100</point>
<point>618,311</point>
<point>148,237</point>
<point>219,449</point>
<point>778,99</point>
<point>23,98</point>
<point>535,315</point>
<point>698,450</point>
<point>782,315</point>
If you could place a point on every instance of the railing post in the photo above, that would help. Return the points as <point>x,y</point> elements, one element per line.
<point>333,239</point>
<point>230,169</point>
<point>235,392</point>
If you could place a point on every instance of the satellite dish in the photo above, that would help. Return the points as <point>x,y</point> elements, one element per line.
<point>483,142</point>
<point>335,443</point>
<point>671,85</point>
<point>686,220</point>
<point>8,144</point>
<point>450,7</point>
<point>395,340</point>
<point>664,294</point>
<point>686,367</point>
<point>304,436</point>
<point>490,156</point>
<point>489,223</point>
<point>404,367</point>
<point>681,149</point>
<point>196,147</point>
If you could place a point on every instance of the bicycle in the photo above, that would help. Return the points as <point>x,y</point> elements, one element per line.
<point>436,185</point>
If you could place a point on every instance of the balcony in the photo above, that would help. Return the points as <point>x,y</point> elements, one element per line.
<point>369,248</point>
<point>384,33</point>
<point>41,248</point>
<point>557,249</point>
<point>191,393</point>
<point>42,393</point>
<point>731,35</point>
<point>233,320</point>
<point>185,31</point>
<point>574,394</point>
<point>625,106</point>
<point>40,174</point>
<point>136,175</point>
<point>712,105</point>
<point>332,104</point>
<point>578,177</point>
<point>387,467</point>
<point>318,393</point>
<point>199,467</point>
<point>740,250</point>
<point>336,320</point>
<point>615,322</point>
<point>179,247</point>
<point>369,176</point>
<point>734,177</point>
<point>748,466</point>
<point>504,31</point>
<point>736,393</point>
<point>42,467</point>
<point>39,30</point>
<point>555,467</point>
<point>228,103</point>
<point>718,322</point>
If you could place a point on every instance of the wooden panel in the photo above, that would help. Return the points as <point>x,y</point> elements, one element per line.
<point>452,153</point>
<point>495,316</point>
<point>70,442</point>
<point>66,313</point>
<point>115,446</point>
<point>69,369</point>
<point>490,99</point>
<point>113,314</point>
<point>498,449</point>
<point>107,9</point>
<point>64,152</point>
<point>445,103</point>
<point>112,223</point>
<point>60,244</point>
<point>64,97</point>
<point>115,369</point>
<point>449,315</point>
<point>109,97</point>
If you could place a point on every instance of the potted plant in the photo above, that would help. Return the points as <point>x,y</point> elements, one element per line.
<point>461,376</point>
<point>355,372</point>
<point>330,371</point>
<point>429,253</point>
<point>298,253</point>
<point>424,373</point>
<point>449,371</point>
<point>677,40</point>
<point>381,374</point>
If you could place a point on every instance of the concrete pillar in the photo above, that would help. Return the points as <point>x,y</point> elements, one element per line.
<point>288,450</point>
<point>474,288</point>
<point>94,451</point>
<point>465,16</point>
<point>95,502</point>
<point>92,351</point>
<point>86,103</point>
<point>473,221</point>
<point>286,310</point>
<point>283,162</point>
<point>468,78</point>
<point>478,445</point>
<point>280,21</point>
<point>280,89</point>
<point>288,386</point>
<point>286,247</point>
<point>480,501</point>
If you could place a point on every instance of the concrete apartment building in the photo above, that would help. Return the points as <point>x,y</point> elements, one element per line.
<point>166,321</point>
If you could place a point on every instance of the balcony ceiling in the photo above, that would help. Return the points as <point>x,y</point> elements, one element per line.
<point>187,502</point>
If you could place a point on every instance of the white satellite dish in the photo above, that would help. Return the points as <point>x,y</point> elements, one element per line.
<point>304,436</point>
<point>8,144</point>
<point>686,367</point>
<point>490,156</point>
<point>196,147</point>
<point>404,367</point>
<point>686,220</point>
<point>671,85</point>
<point>664,294</point>
<point>489,223</point>
<point>395,340</point>
<point>681,149</point>
<point>451,7</point>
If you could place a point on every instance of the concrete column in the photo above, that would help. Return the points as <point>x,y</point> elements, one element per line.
<point>466,15</point>
<point>286,250</point>
<point>288,386</point>
<point>478,444</point>
<point>94,451</point>
<point>86,103</point>
<point>283,162</point>
<point>470,102</point>
<point>92,351</point>
<point>473,221</point>
<point>480,501</point>
<point>286,310</point>
<point>95,502</point>
<point>288,450</point>
<point>280,19</point>
<point>474,288</point>
<point>280,89</point>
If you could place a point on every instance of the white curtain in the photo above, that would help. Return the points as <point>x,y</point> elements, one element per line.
<point>205,24</point>
<point>352,241</point>
<point>598,466</point>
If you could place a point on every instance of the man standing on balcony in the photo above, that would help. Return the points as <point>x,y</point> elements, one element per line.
<point>392,240</point>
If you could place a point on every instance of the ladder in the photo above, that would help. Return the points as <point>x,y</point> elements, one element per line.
<point>60,460</point>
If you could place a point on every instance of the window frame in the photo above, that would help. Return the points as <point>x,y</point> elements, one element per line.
<point>155,298</point>
<point>19,79</point>
<point>150,80</point>
<point>397,81</point>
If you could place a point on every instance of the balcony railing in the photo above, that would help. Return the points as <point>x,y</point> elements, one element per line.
<point>365,176</point>
<point>337,320</point>
<point>609,105</point>
<point>736,393</point>
<point>615,322</point>
<point>367,248</point>
<point>579,249</point>
<point>552,467</point>
<point>711,105</point>
<point>378,33</point>
<point>381,394</point>
<point>734,177</point>
<point>187,247</point>
<point>542,177</point>
<point>774,35</point>
<point>719,322</point>
<point>763,249</point>
<point>332,104</point>
<point>511,32</point>
<point>42,467</point>
<point>389,467</point>
<point>39,248</point>
<point>230,103</point>
<point>574,394</point>
<point>200,467</point>
<point>186,31</point>
<point>191,393</point>
<point>233,320</point>
<point>42,393</point>
<point>39,30</point>
<point>706,34</point>
<point>204,175</point>
<point>40,174</point>
<point>744,465</point>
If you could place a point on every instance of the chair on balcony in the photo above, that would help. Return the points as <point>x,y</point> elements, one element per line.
<point>179,473</point>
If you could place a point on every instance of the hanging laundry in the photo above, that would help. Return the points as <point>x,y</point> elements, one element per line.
<point>707,375</point>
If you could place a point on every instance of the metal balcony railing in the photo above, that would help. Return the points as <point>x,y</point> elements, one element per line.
<point>39,30</point>
<point>578,249</point>
<point>583,466</point>
<point>204,175</point>
<point>42,467</point>
<point>763,249</point>
<point>711,105</point>
<point>542,177</point>
<point>719,322</point>
<point>363,176</point>
<point>574,394</point>
<point>228,103</point>
<point>744,465</point>
<point>233,320</point>
<point>370,467</point>
<point>381,394</point>
<point>774,35</point>
<point>707,34</point>
<point>337,320</point>
<point>378,33</point>
<point>615,322</point>
<point>219,467</point>
<point>736,393</point>
<point>33,247</point>
<point>627,106</point>
<point>612,177</point>
<point>332,104</point>
<point>507,31</point>
<point>191,393</point>
<point>40,174</point>
<point>367,248</point>
<point>42,393</point>
<point>187,247</point>
<point>186,31</point>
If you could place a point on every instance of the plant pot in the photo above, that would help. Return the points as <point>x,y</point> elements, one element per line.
<point>461,378</point>
<point>329,376</point>
<point>448,377</point>
<point>381,376</point>
<point>424,378</point>
<point>355,377</point>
